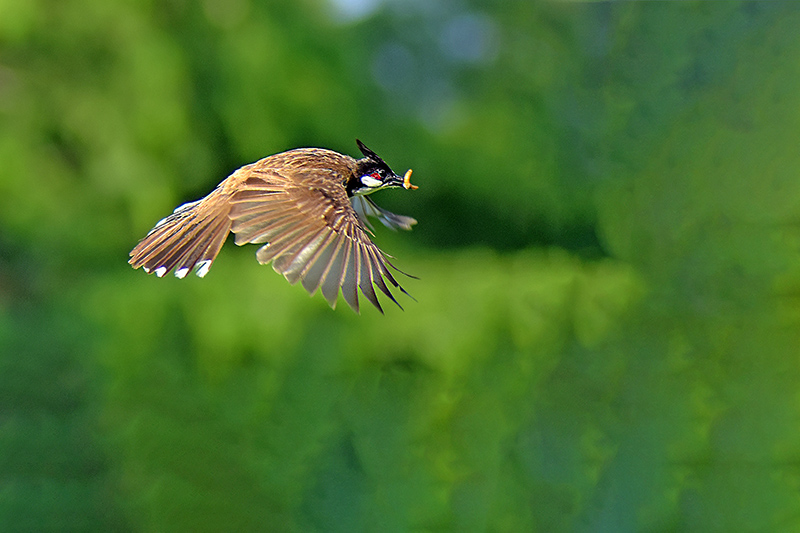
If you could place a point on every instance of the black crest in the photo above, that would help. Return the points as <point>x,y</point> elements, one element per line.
<point>369,153</point>
<point>371,161</point>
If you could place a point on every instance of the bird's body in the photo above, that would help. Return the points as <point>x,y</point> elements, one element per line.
<point>308,207</point>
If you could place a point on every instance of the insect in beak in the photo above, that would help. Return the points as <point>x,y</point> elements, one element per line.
<point>407,181</point>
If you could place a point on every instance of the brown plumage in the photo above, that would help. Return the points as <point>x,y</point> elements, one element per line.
<point>309,208</point>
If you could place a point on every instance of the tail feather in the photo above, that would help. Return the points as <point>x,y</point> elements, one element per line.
<point>190,237</point>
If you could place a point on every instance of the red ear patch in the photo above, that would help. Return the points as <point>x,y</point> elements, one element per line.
<point>376,176</point>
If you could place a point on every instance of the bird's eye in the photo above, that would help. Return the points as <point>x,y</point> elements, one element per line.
<point>376,175</point>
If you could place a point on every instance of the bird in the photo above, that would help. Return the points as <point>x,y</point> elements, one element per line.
<point>309,209</point>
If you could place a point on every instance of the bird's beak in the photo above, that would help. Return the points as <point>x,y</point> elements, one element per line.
<point>407,181</point>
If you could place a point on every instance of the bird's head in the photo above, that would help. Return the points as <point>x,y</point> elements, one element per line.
<point>373,174</point>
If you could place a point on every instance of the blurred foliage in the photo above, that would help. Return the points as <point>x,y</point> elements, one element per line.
<point>605,331</point>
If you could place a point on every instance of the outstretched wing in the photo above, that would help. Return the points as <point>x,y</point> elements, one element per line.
<point>312,234</point>
<point>364,207</point>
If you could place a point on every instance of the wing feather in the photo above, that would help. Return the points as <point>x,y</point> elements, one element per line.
<point>364,206</point>
<point>350,277</point>
<point>332,278</point>
<point>313,234</point>
<point>318,272</point>
<point>264,227</point>
<point>291,264</point>
<point>283,248</point>
<point>304,261</point>
<point>314,276</point>
<point>366,277</point>
<point>247,211</point>
<point>378,269</point>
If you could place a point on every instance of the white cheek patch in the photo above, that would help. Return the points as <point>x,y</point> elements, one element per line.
<point>371,182</point>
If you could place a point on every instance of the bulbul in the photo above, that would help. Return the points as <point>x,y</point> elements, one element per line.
<point>309,209</point>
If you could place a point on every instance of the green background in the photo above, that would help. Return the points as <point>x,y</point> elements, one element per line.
<point>606,335</point>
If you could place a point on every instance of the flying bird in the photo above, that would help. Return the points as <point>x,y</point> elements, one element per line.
<point>309,209</point>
